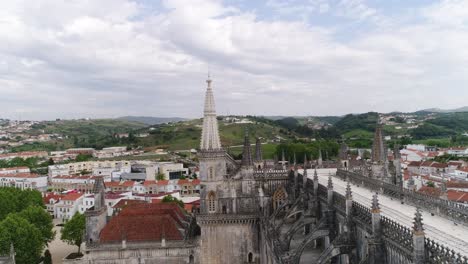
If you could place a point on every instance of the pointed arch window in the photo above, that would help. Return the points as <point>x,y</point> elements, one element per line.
<point>279,198</point>
<point>211,202</point>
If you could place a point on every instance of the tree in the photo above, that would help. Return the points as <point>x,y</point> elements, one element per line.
<point>160,177</point>
<point>171,199</point>
<point>47,257</point>
<point>73,230</point>
<point>41,220</point>
<point>430,184</point>
<point>25,237</point>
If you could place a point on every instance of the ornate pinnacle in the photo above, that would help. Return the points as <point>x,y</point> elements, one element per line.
<point>418,225</point>
<point>375,203</point>
<point>305,161</point>
<point>294,159</point>
<point>330,182</point>
<point>315,175</point>
<point>349,194</point>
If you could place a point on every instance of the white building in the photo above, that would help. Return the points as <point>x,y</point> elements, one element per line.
<point>460,152</point>
<point>14,170</point>
<point>68,206</point>
<point>461,173</point>
<point>24,181</point>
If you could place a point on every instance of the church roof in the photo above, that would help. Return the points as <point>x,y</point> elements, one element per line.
<point>146,222</point>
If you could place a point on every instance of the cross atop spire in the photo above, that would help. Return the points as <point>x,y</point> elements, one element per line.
<point>210,134</point>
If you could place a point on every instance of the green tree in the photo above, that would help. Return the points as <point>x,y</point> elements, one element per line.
<point>171,199</point>
<point>73,230</point>
<point>430,184</point>
<point>47,257</point>
<point>25,237</point>
<point>41,220</point>
<point>160,177</point>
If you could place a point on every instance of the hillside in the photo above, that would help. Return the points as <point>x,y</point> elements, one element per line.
<point>186,135</point>
<point>96,133</point>
<point>150,120</point>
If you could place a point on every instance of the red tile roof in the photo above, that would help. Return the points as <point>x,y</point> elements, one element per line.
<point>415,164</point>
<point>147,183</point>
<point>163,182</point>
<point>72,196</point>
<point>457,196</point>
<point>19,175</point>
<point>146,222</point>
<point>187,181</point>
<point>464,169</point>
<point>455,184</point>
<point>127,202</point>
<point>439,165</point>
<point>50,196</point>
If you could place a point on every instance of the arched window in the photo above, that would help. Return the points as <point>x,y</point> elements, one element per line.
<point>211,202</point>
<point>250,257</point>
<point>279,198</point>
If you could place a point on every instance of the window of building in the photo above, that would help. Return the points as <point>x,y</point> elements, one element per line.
<point>279,198</point>
<point>211,202</point>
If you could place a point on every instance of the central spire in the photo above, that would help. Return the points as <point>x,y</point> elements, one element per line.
<point>210,135</point>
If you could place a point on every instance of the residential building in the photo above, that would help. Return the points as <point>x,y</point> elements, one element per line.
<point>68,206</point>
<point>24,181</point>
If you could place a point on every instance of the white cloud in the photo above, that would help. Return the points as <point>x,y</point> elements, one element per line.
<point>115,57</point>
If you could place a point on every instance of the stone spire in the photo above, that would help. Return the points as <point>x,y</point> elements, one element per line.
<point>320,159</point>
<point>305,162</point>
<point>375,203</point>
<point>417,224</point>
<point>246,153</point>
<point>330,182</point>
<point>343,151</point>
<point>315,175</point>
<point>210,135</point>
<point>99,193</point>
<point>349,193</point>
<point>379,153</point>
<point>258,150</point>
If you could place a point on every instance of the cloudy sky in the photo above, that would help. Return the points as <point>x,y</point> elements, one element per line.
<point>108,58</point>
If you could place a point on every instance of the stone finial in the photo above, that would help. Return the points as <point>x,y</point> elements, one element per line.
<point>330,182</point>
<point>294,160</point>
<point>258,150</point>
<point>305,161</point>
<point>315,175</point>
<point>247,153</point>
<point>349,194</point>
<point>375,203</point>
<point>417,224</point>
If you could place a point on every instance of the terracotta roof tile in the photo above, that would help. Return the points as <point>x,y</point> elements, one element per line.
<point>72,196</point>
<point>162,220</point>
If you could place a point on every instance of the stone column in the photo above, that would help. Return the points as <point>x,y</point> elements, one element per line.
<point>375,241</point>
<point>419,251</point>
